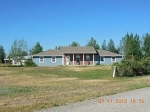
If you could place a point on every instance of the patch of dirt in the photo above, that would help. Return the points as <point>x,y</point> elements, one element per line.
<point>91,81</point>
<point>36,81</point>
<point>4,72</point>
<point>84,68</point>
<point>62,79</point>
<point>75,69</point>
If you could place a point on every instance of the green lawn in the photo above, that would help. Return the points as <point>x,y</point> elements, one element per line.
<point>28,89</point>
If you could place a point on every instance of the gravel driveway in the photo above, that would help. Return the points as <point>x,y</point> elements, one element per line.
<point>132,101</point>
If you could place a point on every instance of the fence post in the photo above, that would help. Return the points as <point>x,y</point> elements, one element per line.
<point>114,71</point>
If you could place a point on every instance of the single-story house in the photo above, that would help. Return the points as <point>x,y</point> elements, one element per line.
<point>75,56</point>
<point>13,62</point>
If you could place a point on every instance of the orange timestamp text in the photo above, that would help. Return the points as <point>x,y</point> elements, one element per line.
<point>102,100</point>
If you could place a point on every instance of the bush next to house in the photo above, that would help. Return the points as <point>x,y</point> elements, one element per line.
<point>30,63</point>
<point>98,64</point>
<point>133,68</point>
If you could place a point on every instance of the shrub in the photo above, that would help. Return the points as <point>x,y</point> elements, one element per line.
<point>115,64</point>
<point>30,63</point>
<point>98,64</point>
<point>133,68</point>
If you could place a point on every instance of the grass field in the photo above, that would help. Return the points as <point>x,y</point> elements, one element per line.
<point>29,89</point>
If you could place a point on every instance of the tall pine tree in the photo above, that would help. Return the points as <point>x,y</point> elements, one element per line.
<point>146,45</point>
<point>36,49</point>
<point>93,42</point>
<point>2,54</point>
<point>104,47</point>
<point>111,46</point>
<point>74,43</point>
<point>131,48</point>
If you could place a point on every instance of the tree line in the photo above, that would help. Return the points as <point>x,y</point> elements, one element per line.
<point>136,53</point>
<point>19,49</point>
<point>131,46</point>
<point>92,42</point>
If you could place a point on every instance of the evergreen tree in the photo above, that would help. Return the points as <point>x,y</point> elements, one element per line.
<point>58,47</point>
<point>74,44</point>
<point>92,42</point>
<point>111,46</point>
<point>120,47</point>
<point>146,45</point>
<point>36,49</point>
<point>137,47</point>
<point>2,54</point>
<point>131,47</point>
<point>104,47</point>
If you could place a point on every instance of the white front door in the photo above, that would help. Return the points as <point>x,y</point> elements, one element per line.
<point>68,60</point>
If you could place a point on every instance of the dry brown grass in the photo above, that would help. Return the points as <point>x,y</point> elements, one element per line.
<point>83,68</point>
<point>29,92</point>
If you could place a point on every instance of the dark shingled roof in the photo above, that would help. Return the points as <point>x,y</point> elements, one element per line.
<point>67,49</point>
<point>78,50</point>
<point>49,53</point>
<point>107,53</point>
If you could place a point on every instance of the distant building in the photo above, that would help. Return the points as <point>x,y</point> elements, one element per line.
<point>13,62</point>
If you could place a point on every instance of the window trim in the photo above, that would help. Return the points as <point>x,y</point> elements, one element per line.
<point>112,59</point>
<point>103,58</point>
<point>52,59</point>
<point>40,59</point>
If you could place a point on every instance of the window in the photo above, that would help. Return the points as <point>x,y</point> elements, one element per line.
<point>87,58</point>
<point>113,59</point>
<point>78,59</point>
<point>102,59</point>
<point>41,59</point>
<point>53,59</point>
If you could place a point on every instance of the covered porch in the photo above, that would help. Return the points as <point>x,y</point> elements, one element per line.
<point>78,59</point>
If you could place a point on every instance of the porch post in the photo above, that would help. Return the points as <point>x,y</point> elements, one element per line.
<point>83,59</point>
<point>93,59</point>
<point>13,62</point>
<point>73,59</point>
<point>62,59</point>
